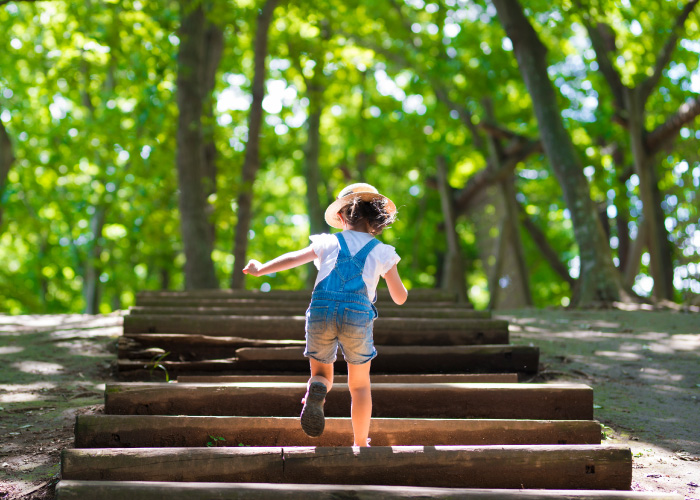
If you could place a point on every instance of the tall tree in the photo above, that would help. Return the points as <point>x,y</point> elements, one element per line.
<point>599,281</point>
<point>251,163</point>
<point>631,102</point>
<point>191,158</point>
<point>7,158</point>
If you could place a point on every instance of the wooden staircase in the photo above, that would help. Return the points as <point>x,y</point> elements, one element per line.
<point>449,419</point>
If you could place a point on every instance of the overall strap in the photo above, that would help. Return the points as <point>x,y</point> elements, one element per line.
<point>361,256</point>
<point>344,250</point>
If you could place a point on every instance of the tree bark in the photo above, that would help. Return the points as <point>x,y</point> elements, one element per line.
<point>7,158</point>
<point>251,162</point>
<point>196,232</point>
<point>510,236</point>
<point>453,273</point>
<point>549,253</point>
<point>91,287</point>
<point>214,50</point>
<point>599,281</point>
<point>661,264</point>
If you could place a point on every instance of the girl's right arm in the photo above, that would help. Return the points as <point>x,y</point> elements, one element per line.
<point>281,263</point>
<point>396,289</point>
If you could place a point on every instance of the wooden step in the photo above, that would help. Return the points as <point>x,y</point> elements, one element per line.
<point>441,378</point>
<point>387,331</point>
<point>406,359</point>
<point>189,347</point>
<point>133,490</point>
<point>391,359</point>
<point>481,401</point>
<point>155,431</point>
<point>516,466</point>
<point>416,295</point>
<point>301,302</point>
<point>299,309</point>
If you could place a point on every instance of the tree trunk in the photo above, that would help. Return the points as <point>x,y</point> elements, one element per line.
<point>509,235</point>
<point>196,233</point>
<point>317,223</point>
<point>312,172</point>
<point>252,154</point>
<point>91,287</point>
<point>214,49</point>
<point>7,158</point>
<point>599,281</point>
<point>453,273</point>
<point>661,265</point>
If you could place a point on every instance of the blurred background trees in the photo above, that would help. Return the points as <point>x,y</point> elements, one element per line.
<point>540,153</point>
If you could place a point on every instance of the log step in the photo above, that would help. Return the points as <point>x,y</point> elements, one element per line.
<point>510,467</point>
<point>480,401</point>
<point>391,359</point>
<point>299,309</point>
<point>464,378</point>
<point>157,431</point>
<point>301,302</point>
<point>134,490</point>
<point>387,331</point>
<point>190,347</point>
<point>416,295</point>
<point>406,359</point>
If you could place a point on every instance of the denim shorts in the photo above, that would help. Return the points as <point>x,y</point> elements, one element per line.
<point>330,323</point>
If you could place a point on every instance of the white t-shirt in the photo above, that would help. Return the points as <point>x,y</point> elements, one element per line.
<point>379,261</point>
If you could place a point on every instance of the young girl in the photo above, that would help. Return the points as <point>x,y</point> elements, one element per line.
<point>342,308</point>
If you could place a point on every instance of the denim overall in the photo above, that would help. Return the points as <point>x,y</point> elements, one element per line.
<point>341,312</point>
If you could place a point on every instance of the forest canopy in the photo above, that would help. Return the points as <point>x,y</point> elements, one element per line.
<point>539,153</point>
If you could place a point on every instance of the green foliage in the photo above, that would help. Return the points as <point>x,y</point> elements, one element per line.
<point>215,440</point>
<point>87,95</point>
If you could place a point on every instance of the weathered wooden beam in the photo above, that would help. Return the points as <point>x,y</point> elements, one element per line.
<point>141,490</point>
<point>436,378</point>
<point>483,401</point>
<point>299,309</point>
<point>391,360</point>
<point>517,466</point>
<point>387,331</point>
<point>416,295</point>
<point>156,431</point>
<point>190,347</point>
<point>406,359</point>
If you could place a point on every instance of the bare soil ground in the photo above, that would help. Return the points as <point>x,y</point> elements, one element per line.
<point>644,367</point>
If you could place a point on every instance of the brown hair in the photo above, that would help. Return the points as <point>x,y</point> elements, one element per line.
<point>372,213</point>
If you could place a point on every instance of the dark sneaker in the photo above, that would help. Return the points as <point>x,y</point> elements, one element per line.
<point>312,418</point>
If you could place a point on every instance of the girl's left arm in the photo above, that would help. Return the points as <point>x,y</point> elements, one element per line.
<point>281,263</point>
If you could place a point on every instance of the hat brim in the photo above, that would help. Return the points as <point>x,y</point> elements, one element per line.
<point>332,218</point>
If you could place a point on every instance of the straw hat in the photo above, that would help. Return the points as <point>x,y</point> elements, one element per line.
<point>364,192</point>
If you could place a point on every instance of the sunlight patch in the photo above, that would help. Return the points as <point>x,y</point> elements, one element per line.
<point>21,397</point>
<point>689,342</point>
<point>38,367</point>
<point>623,356</point>
<point>36,386</point>
<point>11,349</point>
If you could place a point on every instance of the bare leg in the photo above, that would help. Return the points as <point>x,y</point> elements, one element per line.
<point>312,418</point>
<point>361,412</point>
<point>321,372</point>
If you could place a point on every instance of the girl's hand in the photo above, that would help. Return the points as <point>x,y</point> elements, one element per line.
<point>252,268</point>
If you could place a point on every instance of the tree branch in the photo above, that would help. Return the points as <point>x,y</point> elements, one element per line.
<point>664,57</point>
<point>603,40</point>
<point>687,112</point>
<point>488,176</point>
<point>550,255</point>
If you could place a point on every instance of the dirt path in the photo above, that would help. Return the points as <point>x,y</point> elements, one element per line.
<point>644,368</point>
